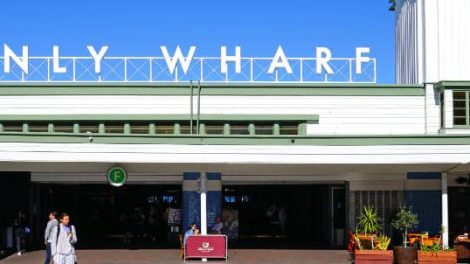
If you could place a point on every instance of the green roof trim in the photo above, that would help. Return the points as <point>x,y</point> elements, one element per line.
<point>160,117</point>
<point>452,85</point>
<point>236,139</point>
<point>301,89</point>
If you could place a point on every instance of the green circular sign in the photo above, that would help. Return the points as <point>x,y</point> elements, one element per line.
<point>117,176</point>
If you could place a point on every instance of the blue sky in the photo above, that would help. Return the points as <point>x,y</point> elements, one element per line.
<point>139,27</point>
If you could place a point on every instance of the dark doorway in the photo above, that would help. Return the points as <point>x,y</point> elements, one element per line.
<point>284,216</point>
<point>132,216</point>
<point>14,211</point>
<point>459,211</point>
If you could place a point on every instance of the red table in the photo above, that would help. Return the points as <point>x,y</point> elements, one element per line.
<point>208,246</point>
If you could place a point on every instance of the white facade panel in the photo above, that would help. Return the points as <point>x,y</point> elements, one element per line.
<point>407,42</point>
<point>339,115</point>
<point>432,40</point>
<point>449,156</point>
<point>61,105</point>
<point>433,110</point>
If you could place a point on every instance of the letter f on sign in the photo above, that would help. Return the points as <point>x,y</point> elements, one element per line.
<point>361,59</point>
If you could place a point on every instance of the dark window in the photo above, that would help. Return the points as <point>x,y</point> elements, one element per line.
<point>239,128</point>
<point>139,128</point>
<point>289,128</point>
<point>38,127</point>
<point>62,127</point>
<point>114,128</point>
<point>461,107</point>
<point>185,128</point>
<point>216,128</point>
<point>88,127</point>
<point>165,128</point>
<point>13,127</point>
<point>264,128</point>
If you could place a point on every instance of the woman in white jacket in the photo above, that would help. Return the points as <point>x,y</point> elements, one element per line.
<point>64,238</point>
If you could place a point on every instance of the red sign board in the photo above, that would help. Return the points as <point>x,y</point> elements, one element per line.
<point>210,246</point>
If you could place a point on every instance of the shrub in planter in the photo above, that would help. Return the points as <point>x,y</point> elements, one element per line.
<point>436,255</point>
<point>379,254</point>
<point>372,248</point>
<point>405,220</point>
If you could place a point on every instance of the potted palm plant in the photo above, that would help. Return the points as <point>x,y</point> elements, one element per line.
<point>405,220</point>
<point>372,247</point>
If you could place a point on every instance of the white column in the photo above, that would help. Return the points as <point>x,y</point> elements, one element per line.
<point>203,204</point>
<point>445,212</point>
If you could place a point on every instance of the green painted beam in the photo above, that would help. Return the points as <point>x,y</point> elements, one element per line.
<point>453,85</point>
<point>159,117</point>
<point>187,139</point>
<point>300,89</point>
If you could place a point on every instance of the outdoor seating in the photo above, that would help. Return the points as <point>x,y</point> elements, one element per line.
<point>181,246</point>
<point>352,242</point>
<point>430,241</point>
<point>414,238</point>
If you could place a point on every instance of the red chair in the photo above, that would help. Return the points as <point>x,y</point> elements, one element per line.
<point>352,242</point>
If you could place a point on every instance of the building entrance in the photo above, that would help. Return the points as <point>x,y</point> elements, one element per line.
<point>285,216</point>
<point>459,211</point>
<point>132,216</point>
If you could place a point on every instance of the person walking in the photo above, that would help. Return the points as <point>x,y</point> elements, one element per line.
<point>64,238</point>
<point>19,234</point>
<point>48,235</point>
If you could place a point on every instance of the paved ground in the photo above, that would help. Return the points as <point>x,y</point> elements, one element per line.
<point>172,256</point>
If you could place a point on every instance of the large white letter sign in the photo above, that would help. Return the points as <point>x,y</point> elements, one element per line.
<point>178,57</point>
<point>224,59</point>
<point>323,57</point>
<point>279,61</point>
<point>97,57</point>
<point>55,61</point>
<point>9,55</point>
<point>360,59</point>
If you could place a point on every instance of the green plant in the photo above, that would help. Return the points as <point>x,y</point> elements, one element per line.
<point>404,220</point>
<point>358,242</point>
<point>369,221</point>
<point>383,242</point>
<point>435,248</point>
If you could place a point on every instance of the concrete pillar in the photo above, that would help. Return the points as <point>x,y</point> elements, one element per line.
<point>445,212</point>
<point>192,199</point>
<point>203,191</point>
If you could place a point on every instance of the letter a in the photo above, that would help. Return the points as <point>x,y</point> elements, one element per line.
<point>279,61</point>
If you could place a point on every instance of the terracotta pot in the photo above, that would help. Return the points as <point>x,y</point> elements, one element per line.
<point>408,255</point>
<point>441,257</point>
<point>373,256</point>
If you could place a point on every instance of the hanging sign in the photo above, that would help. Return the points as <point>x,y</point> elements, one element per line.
<point>117,176</point>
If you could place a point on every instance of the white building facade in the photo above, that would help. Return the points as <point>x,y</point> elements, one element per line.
<point>354,144</point>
